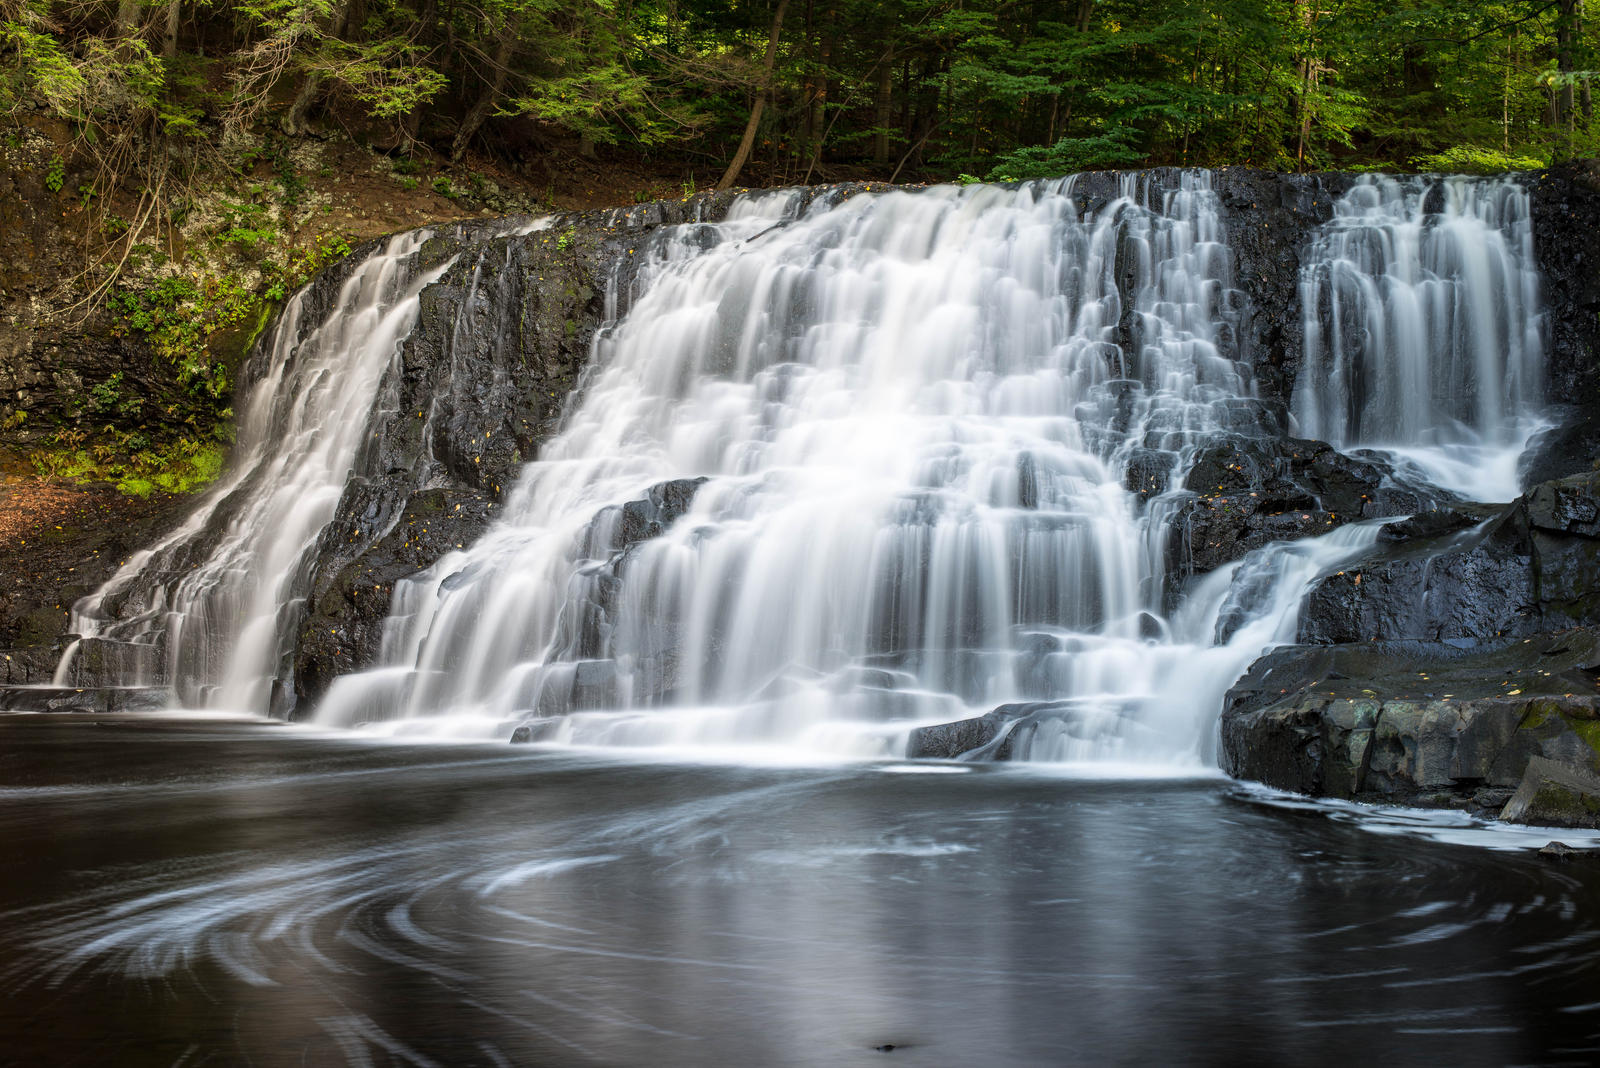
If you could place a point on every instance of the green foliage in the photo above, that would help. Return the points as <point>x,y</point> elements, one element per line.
<point>128,461</point>
<point>181,316</point>
<point>935,88</point>
<point>1473,159</point>
<point>55,175</point>
<point>1116,147</point>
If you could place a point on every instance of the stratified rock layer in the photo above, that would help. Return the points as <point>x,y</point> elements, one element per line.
<point>1441,665</point>
<point>1416,722</point>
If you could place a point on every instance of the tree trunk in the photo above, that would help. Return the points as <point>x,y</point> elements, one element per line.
<point>497,83</point>
<point>819,102</point>
<point>1566,40</point>
<point>885,112</point>
<point>169,46</point>
<point>1505,94</point>
<point>128,18</point>
<point>1308,81</point>
<point>747,142</point>
<point>1585,94</point>
<point>294,120</point>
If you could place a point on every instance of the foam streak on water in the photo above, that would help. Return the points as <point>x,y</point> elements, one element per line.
<point>916,415</point>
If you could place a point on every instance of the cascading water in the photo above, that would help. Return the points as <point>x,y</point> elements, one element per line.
<point>210,610</point>
<point>1423,329</point>
<point>885,449</point>
<point>846,472</point>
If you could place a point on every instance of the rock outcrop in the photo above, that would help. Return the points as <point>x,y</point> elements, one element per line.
<point>1248,492</point>
<point>500,346</point>
<point>1435,670</point>
<point>1532,567</point>
<point>1557,794</point>
<point>1416,722</point>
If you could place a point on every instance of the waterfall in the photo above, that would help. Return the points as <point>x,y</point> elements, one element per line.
<point>853,466</point>
<point>1423,332</point>
<point>211,610</point>
<point>886,449</point>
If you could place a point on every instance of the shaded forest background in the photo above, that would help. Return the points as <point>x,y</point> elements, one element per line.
<point>815,89</point>
<point>175,167</point>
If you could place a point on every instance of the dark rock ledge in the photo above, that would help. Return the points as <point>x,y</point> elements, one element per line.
<point>1456,665</point>
<point>1417,723</point>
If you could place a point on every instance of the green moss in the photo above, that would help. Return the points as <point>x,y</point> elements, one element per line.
<point>1537,714</point>
<point>1588,730</point>
<point>184,466</point>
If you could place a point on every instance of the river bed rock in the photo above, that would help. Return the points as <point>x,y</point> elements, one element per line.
<point>1555,794</point>
<point>1413,722</point>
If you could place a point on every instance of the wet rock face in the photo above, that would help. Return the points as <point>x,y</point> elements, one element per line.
<point>1571,446</point>
<point>500,345</point>
<point>1532,567</point>
<point>1438,668</point>
<point>1416,722</point>
<point>1566,241</point>
<point>344,627</point>
<point>1268,216</point>
<point>1252,491</point>
<point>613,536</point>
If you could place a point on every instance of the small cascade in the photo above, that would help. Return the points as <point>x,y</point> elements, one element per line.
<point>840,475</point>
<point>211,610</point>
<point>1424,335</point>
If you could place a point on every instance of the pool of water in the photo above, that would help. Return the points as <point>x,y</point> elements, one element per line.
<point>193,890</point>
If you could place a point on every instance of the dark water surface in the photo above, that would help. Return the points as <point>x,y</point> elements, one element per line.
<point>196,891</point>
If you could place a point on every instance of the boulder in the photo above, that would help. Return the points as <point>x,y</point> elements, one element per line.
<point>1555,795</point>
<point>1012,731</point>
<point>71,699</point>
<point>1248,492</point>
<point>952,741</point>
<point>1415,722</point>
<point>1570,446</point>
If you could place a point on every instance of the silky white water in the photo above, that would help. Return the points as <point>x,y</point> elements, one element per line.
<point>1424,332</point>
<point>210,609</point>
<point>915,414</point>
<point>847,470</point>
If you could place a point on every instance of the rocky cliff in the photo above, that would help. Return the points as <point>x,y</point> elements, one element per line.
<point>502,343</point>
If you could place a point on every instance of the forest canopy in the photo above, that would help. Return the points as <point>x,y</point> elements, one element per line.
<point>797,90</point>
